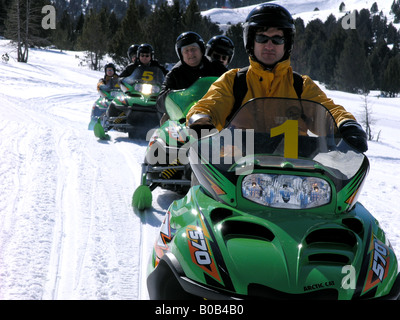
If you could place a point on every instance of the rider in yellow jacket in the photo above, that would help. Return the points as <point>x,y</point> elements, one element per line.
<point>219,100</point>
<point>268,36</point>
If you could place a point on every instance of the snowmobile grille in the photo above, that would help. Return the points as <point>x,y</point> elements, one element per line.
<point>330,246</point>
<point>334,236</point>
<point>219,214</point>
<point>240,229</point>
<point>329,258</point>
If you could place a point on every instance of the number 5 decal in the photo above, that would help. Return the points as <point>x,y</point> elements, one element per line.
<point>290,129</point>
<point>147,76</point>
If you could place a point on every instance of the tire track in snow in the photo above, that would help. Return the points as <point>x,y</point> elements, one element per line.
<point>27,247</point>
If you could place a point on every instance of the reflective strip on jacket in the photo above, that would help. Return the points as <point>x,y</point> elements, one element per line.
<point>219,100</point>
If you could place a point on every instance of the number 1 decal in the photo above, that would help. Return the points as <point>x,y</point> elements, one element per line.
<point>290,129</point>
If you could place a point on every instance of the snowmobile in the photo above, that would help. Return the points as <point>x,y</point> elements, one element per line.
<point>107,95</point>
<point>162,165</point>
<point>275,215</point>
<point>135,111</point>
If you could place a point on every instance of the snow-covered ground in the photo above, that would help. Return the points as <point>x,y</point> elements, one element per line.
<point>67,228</point>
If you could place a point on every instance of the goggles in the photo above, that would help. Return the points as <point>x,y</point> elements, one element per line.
<point>218,56</point>
<point>262,38</point>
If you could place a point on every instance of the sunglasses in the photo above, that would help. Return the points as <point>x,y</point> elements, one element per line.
<point>144,55</point>
<point>217,56</point>
<point>262,38</point>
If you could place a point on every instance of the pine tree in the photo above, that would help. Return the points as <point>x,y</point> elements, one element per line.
<point>364,27</point>
<point>62,35</point>
<point>395,9</point>
<point>193,21</point>
<point>4,6</point>
<point>240,58</point>
<point>94,38</point>
<point>161,30</point>
<point>353,73</point>
<point>298,56</point>
<point>130,32</point>
<point>391,81</point>
<point>378,61</point>
<point>315,39</point>
<point>78,28</point>
<point>374,8</point>
<point>331,54</point>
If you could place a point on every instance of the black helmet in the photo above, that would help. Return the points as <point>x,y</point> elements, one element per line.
<point>221,44</point>
<point>268,15</point>
<point>109,65</point>
<point>145,48</point>
<point>132,50</point>
<point>187,38</point>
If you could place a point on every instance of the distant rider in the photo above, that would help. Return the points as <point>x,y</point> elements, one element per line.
<point>132,52</point>
<point>110,78</point>
<point>144,56</point>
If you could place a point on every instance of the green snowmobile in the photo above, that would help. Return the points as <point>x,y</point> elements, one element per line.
<point>275,215</point>
<point>133,112</point>
<point>108,92</point>
<point>165,164</point>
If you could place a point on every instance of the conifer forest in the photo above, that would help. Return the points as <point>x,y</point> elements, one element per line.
<point>352,60</point>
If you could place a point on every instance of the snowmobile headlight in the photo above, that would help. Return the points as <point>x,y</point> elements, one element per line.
<point>286,191</point>
<point>146,88</point>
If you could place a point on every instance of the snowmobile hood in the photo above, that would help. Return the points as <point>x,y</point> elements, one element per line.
<point>178,102</point>
<point>272,255</point>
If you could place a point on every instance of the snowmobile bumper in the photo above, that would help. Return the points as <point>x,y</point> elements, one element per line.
<point>139,108</point>
<point>169,177</point>
<point>168,282</point>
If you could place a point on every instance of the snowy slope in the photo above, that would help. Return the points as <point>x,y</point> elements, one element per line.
<point>67,228</point>
<point>302,9</point>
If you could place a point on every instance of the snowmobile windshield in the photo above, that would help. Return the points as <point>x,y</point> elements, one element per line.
<point>147,74</point>
<point>179,102</point>
<point>281,133</point>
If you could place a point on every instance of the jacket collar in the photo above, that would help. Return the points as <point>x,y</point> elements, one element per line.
<point>280,68</point>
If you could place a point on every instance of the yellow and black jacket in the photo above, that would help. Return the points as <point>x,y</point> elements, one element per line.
<point>218,102</point>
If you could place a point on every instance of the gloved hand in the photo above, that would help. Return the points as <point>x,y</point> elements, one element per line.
<point>199,122</point>
<point>354,135</point>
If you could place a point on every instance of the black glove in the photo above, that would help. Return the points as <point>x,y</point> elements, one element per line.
<point>199,122</point>
<point>354,135</point>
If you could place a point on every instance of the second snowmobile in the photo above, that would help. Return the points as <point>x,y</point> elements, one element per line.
<point>133,112</point>
<point>163,165</point>
<point>108,92</point>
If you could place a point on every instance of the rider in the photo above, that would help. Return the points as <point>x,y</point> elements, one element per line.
<point>110,77</point>
<point>132,52</point>
<point>193,64</point>
<point>144,56</point>
<point>220,48</point>
<point>268,35</point>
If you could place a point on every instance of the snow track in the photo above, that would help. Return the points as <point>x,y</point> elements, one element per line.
<point>67,228</point>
